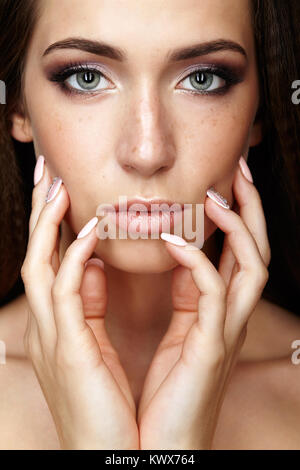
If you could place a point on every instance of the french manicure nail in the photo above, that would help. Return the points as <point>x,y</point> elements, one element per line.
<point>88,227</point>
<point>53,189</point>
<point>245,169</point>
<point>216,197</point>
<point>173,239</point>
<point>39,170</point>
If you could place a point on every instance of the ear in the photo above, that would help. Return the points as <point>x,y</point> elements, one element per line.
<point>256,134</point>
<point>21,128</point>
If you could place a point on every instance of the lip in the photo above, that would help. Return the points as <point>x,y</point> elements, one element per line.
<point>148,205</point>
<point>146,218</point>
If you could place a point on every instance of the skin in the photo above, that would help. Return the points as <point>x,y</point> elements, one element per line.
<point>109,145</point>
<point>120,148</point>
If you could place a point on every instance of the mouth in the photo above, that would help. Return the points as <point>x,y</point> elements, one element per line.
<point>146,216</point>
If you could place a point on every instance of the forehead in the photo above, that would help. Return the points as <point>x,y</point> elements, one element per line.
<point>147,26</point>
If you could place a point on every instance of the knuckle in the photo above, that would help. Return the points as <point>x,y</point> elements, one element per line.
<point>262,275</point>
<point>220,290</point>
<point>258,275</point>
<point>23,273</point>
<point>26,272</point>
<point>58,292</point>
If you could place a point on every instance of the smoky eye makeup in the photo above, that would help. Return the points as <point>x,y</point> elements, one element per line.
<point>205,79</point>
<point>79,74</point>
<point>82,79</point>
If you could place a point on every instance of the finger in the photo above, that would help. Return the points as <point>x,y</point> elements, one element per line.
<point>211,303</point>
<point>32,341</point>
<point>67,301</point>
<point>252,213</point>
<point>42,185</point>
<point>37,271</point>
<point>55,260</point>
<point>241,241</point>
<point>40,191</point>
<point>93,290</point>
<point>38,196</point>
<point>247,284</point>
<point>185,297</point>
<point>227,262</point>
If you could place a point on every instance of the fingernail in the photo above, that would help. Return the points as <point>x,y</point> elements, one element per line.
<point>245,169</point>
<point>53,189</point>
<point>39,169</point>
<point>95,261</point>
<point>173,239</point>
<point>88,227</point>
<point>216,197</point>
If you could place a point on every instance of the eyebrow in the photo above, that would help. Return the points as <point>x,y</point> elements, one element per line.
<point>112,52</point>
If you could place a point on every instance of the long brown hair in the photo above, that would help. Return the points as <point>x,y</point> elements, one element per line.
<point>274,163</point>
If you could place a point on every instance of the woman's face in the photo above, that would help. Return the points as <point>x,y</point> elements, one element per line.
<point>144,124</point>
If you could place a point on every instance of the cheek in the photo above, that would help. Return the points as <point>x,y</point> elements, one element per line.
<point>70,140</point>
<point>214,144</point>
<point>211,145</point>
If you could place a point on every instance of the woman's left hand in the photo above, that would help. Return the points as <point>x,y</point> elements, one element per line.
<point>188,376</point>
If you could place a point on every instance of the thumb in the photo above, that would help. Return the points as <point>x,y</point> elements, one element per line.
<point>93,289</point>
<point>185,296</point>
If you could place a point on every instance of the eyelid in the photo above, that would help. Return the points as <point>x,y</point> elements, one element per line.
<point>75,67</point>
<point>95,66</point>
<point>212,68</point>
<point>62,75</point>
<point>227,73</point>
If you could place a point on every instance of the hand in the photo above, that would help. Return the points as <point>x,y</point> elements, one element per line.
<point>79,371</point>
<point>187,378</point>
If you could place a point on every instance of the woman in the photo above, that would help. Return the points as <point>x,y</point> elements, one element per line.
<point>149,345</point>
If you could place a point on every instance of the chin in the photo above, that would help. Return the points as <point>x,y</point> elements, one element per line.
<point>138,256</point>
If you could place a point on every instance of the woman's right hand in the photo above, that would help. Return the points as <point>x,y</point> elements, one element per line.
<point>78,369</point>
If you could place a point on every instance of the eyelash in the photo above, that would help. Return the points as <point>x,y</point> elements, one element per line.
<point>229,75</point>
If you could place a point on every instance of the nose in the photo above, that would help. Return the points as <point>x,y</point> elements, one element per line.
<point>146,145</point>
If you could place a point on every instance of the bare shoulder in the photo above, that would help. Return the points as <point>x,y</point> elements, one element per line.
<point>13,321</point>
<point>273,350</point>
<point>272,331</point>
<point>261,409</point>
<point>22,403</point>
